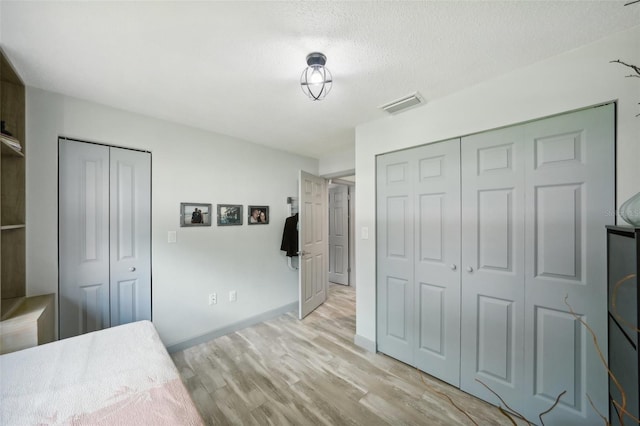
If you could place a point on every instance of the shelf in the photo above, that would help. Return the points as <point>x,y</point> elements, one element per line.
<point>9,227</point>
<point>8,150</point>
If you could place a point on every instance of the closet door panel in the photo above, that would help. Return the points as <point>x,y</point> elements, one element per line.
<point>395,254</point>
<point>83,202</point>
<point>437,259</point>
<point>130,211</point>
<point>570,187</point>
<point>493,264</point>
<point>495,338</point>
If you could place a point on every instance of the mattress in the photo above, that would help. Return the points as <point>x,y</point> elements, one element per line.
<point>120,375</point>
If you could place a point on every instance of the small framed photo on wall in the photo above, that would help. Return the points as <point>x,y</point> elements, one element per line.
<point>258,215</point>
<point>195,214</point>
<point>229,214</point>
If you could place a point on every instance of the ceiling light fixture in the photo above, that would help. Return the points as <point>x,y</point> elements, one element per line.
<point>316,80</point>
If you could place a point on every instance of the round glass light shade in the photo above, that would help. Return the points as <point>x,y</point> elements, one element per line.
<point>316,82</point>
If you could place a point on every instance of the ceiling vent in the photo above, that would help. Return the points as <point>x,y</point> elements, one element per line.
<point>404,103</point>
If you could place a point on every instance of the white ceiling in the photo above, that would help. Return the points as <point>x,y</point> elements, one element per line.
<point>234,67</point>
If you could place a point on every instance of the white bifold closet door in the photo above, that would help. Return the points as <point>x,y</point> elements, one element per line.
<point>104,236</point>
<point>493,263</point>
<point>534,210</point>
<point>418,279</point>
<point>531,231</point>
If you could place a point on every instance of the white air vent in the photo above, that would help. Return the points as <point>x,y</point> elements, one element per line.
<point>404,103</point>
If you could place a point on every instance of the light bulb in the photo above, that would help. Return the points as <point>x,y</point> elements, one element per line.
<point>316,76</point>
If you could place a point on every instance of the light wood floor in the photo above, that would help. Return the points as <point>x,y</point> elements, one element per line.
<point>309,372</point>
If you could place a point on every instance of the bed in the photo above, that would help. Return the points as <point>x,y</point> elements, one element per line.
<point>120,375</point>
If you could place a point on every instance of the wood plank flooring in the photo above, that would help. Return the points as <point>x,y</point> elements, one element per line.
<point>290,372</point>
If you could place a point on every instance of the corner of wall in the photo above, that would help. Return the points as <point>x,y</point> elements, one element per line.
<point>339,163</point>
<point>364,343</point>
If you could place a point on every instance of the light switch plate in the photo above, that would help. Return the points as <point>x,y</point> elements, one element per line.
<point>365,233</point>
<point>171,236</point>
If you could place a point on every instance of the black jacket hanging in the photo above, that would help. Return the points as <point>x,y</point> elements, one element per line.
<point>290,236</point>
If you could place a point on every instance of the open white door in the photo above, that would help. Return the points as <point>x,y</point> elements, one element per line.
<point>312,279</point>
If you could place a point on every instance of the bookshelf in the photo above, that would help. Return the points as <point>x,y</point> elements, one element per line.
<point>24,321</point>
<point>12,185</point>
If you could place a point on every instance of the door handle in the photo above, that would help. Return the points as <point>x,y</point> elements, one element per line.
<point>453,267</point>
<point>133,268</point>
<point>469,269</point>
<point>302,253</point>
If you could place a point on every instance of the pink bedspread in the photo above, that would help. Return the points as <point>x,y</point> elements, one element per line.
<point>117,376</point>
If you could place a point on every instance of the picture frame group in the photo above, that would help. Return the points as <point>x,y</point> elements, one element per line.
<point>200,214</point>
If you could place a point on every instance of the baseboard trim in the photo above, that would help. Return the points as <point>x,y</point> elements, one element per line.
<point>265,316</point>
<point>365,343</point>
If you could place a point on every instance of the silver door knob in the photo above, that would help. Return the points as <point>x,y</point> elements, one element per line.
<point>469,269</point>
<point>453,267</point>
<point>132,269</point>
<point>302,253</point>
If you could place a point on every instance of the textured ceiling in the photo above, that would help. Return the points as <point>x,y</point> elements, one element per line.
<point>234,67</point>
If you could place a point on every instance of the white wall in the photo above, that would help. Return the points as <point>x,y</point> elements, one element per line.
<point>570,81</point>
<point>337,164</point>
<point>188,165</point>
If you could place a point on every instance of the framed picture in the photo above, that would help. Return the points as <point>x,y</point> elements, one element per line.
<point>229,214</point>
<point>258,215</point>
<point>195,214</point>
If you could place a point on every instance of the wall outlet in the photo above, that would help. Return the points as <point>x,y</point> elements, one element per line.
<point>233,296</point>
<point>213,299</point>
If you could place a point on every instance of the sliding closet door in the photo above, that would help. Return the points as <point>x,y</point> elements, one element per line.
<point>83,237</point>
<point>130,242</point>
<point>419,257</point>
<point>493,264</point>
<point>569,193</point>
